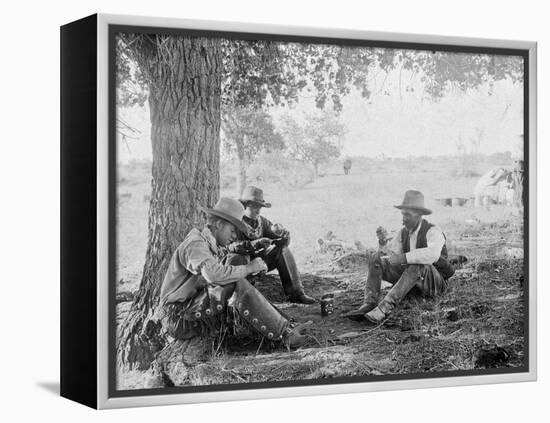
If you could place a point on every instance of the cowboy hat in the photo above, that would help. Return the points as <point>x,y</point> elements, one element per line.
<point>229,210</point>
<point>252,194</point>
<point>414,200</point>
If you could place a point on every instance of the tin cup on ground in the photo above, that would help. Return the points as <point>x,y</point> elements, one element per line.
<point>327,304</point>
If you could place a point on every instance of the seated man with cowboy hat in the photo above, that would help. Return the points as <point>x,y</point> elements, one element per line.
<point>200,295</point>
<point>261,238</point>
<point>417,259</point>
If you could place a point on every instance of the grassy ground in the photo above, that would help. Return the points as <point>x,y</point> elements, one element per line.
<point>484,306</point>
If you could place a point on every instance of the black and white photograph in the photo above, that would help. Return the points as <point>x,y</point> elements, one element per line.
<point>250,211</point>
<point>297,210</point>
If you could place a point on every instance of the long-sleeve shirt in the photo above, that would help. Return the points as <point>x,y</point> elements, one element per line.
<point>198,254</point>
<point>428,255</point>
<point>255,229</point>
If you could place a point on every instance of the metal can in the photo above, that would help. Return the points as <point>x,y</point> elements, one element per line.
<point>327,305</point>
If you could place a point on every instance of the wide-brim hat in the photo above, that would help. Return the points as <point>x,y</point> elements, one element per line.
<point>230,210</point>
<point>252,194</point>
<point>414,200</point>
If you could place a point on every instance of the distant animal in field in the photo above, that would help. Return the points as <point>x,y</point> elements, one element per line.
<point>347,166</point>
<point>495,187</point>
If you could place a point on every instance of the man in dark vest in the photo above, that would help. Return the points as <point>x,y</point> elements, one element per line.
<point>261,238</point>
<point>417,259</point>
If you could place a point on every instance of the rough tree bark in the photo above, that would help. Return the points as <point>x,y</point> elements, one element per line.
<point>184,75</point>
<point>241,165</point>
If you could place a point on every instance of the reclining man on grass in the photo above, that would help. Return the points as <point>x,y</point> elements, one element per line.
<point>200,295</point>
<point>417,260</point>
<point>260,238</point>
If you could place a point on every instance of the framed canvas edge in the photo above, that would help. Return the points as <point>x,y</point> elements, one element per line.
<point>103,399</point>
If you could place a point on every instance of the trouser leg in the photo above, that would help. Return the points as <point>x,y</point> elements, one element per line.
<point>422,276</point>
<point>378,270</point>
<point>391,272</point>
<point>372,289</point>
<point>387,272</point>
<point>281,258</point>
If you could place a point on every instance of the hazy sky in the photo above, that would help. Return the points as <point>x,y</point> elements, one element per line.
<point>402,123</point>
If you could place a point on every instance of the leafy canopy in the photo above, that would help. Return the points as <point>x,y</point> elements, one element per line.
<point>315,140</point>
<point>258,73</point>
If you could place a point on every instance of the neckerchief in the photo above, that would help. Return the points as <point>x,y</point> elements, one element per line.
<point>253,232</point>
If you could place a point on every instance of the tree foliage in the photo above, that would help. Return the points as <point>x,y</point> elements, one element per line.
<point>260,73</point>
<point>317,140</point>
<point>252,130</point>
<point>247,131</point>
<point>441,71</point>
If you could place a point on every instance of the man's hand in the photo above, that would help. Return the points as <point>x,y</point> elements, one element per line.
<point>286,237</point>
<point>261,243</point>
<point>256,266</point>
<point>382,235</point>
<point>282,233</point>
<point>398,259</point>
<point>241,247</point>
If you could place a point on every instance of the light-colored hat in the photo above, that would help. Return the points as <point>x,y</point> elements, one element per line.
<point>414,200</point>
<point>230,210</point>
<point>254,195</point>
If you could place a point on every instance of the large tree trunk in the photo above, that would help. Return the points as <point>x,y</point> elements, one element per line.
<point>241,166</point>
<point>184,76</point>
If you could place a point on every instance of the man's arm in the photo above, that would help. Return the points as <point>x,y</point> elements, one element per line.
<point>432,252</point>
<point>266,229</point>
<point>241,247</point>
<point>394,246</point>
<point>198,259</point>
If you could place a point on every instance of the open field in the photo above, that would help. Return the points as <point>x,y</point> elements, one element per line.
<point>483,308</point>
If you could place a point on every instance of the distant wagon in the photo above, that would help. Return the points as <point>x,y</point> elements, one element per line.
<point>498,186</point>
<point>452,201</point>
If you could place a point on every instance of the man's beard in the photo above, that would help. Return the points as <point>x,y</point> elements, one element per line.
<point>411,226</point>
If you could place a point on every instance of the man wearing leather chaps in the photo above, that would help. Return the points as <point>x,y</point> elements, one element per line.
<point>200,294</point>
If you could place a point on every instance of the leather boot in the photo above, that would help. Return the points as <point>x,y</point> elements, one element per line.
<point>376,316</point>
<point>290,278</point>
<point>293,338</point>
<point>359,314</point>
<point>301,298</point>
<point>372,292</point>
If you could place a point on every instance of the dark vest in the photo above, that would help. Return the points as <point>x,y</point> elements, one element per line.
<point>442,264</point>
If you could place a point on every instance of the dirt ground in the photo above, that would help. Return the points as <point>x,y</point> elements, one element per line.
<point>483,309</point>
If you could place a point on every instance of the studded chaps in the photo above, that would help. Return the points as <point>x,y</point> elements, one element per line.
<point>210,308</point>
